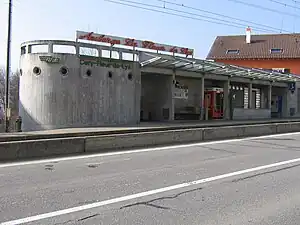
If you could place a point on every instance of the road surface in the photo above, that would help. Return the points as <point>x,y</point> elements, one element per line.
<point>250,181</point>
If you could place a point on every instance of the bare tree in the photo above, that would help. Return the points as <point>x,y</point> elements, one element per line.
<point>13,93</point>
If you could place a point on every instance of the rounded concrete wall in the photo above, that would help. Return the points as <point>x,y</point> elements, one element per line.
<point>76,93</point>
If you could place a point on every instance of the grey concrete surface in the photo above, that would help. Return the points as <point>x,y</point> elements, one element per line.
<point>261,198</point>
<point>139,140</point>
<point>143,126</point>
<point>57,101</point>
<point>15,150</point>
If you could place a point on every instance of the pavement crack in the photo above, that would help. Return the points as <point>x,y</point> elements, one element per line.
<point>219,149</point>
<point>150,203</point>
<point>288,148</point>
<point>263,173</point>
<point>88,217</point>
<point>65,222</point>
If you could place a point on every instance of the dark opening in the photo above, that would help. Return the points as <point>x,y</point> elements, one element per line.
<point>88,72</point>
<point>63,71</point>
<point>130,76</point>
<point>37,70</point>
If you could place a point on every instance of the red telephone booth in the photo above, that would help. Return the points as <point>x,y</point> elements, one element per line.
<point>214,102</point>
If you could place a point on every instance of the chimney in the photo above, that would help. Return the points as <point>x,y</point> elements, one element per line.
<point>248,35</point>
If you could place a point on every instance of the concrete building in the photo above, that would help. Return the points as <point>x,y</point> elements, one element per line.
<point>112,85</point>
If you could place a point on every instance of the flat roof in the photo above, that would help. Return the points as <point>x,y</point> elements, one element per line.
<point>208,66</point>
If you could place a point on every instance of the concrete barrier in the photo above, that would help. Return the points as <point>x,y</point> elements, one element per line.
<point>63,146</point>
<point>155,127</point>
<point>138,140</point>
<point>288,127</point>
<point>258,130</point>
<point>40,148</point>
<point>218,133</point>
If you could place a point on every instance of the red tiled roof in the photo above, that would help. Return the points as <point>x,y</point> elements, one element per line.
<point>259,48</point>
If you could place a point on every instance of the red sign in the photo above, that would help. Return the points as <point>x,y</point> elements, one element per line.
<point>91,36</point>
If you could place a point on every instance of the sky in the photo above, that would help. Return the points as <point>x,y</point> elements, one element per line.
<point>59,19</point>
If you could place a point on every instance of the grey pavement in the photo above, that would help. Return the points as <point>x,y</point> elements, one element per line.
<point>142,125</point>
<point>268,196</point>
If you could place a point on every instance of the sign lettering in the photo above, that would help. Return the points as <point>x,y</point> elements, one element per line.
<point>112,40</point>
<point>49,59</point>
<point>105,63</point>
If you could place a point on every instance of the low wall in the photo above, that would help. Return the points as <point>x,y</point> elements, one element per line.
<point>251,114</point>
<point>64,146</point>
<point>15,150</point>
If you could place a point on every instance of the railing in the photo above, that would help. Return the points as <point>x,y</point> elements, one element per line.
<point>78,48</point>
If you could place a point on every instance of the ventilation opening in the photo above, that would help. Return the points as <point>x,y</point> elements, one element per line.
<point>64,71</point>
<point>130,76</point>
<point>88,73</point>
<point>37,70</point>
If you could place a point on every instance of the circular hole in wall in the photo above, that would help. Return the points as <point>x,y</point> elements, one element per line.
<point>130,76</point>
<point>88,73</point>
<point>110,74</point>
<point>37,70</point>
<point>64,70</point>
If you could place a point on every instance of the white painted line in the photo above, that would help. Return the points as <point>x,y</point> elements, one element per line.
<point>143,194</point>
<point>60,159</point>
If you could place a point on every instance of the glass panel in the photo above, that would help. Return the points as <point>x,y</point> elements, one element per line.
<point>246,98</point>
<point>219,101</point>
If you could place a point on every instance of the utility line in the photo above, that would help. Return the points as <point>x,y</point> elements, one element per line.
<point>189,16</point>
<point>284,4</point>
<point>265,8</point>
<point>221,15</point>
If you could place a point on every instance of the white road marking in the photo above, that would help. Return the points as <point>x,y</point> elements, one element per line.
<point>60,159</point>
<point>143,194</point>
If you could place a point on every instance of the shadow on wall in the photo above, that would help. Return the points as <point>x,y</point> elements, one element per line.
<point>30,123</point>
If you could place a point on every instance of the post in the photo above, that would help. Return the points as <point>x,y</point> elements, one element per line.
<point>202,98</point>
<point>7,116</point>
<point>226,105</point>
<point>172,106</point>
<point>269,97</point>
<point>250,106</point>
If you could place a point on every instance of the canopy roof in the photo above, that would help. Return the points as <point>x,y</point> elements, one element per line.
<point>208,66</point>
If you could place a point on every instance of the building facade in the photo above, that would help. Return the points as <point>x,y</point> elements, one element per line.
<point>279,52</point>
<point>103,85</point>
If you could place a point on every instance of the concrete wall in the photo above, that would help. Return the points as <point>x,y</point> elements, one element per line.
<point>51,100</point>
<point>193,102</point>
<point>251,114</point>
<point>156,95</point>
<point>293,100</point>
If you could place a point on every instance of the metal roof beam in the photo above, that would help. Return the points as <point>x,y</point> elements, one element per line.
<point>149,61</point>
<point>204,66</point>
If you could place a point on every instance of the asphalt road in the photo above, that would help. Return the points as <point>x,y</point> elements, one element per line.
<point>127,188</point>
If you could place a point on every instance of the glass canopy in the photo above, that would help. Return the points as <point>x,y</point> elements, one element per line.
<point>207,66</point>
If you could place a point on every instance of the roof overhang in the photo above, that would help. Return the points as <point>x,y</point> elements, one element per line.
<point>209,67</point>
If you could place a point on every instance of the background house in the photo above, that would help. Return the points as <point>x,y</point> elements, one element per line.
<point>280,52</point>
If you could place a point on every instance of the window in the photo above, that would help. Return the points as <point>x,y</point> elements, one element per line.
<point>276,50</point>
<point>233,51</point>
